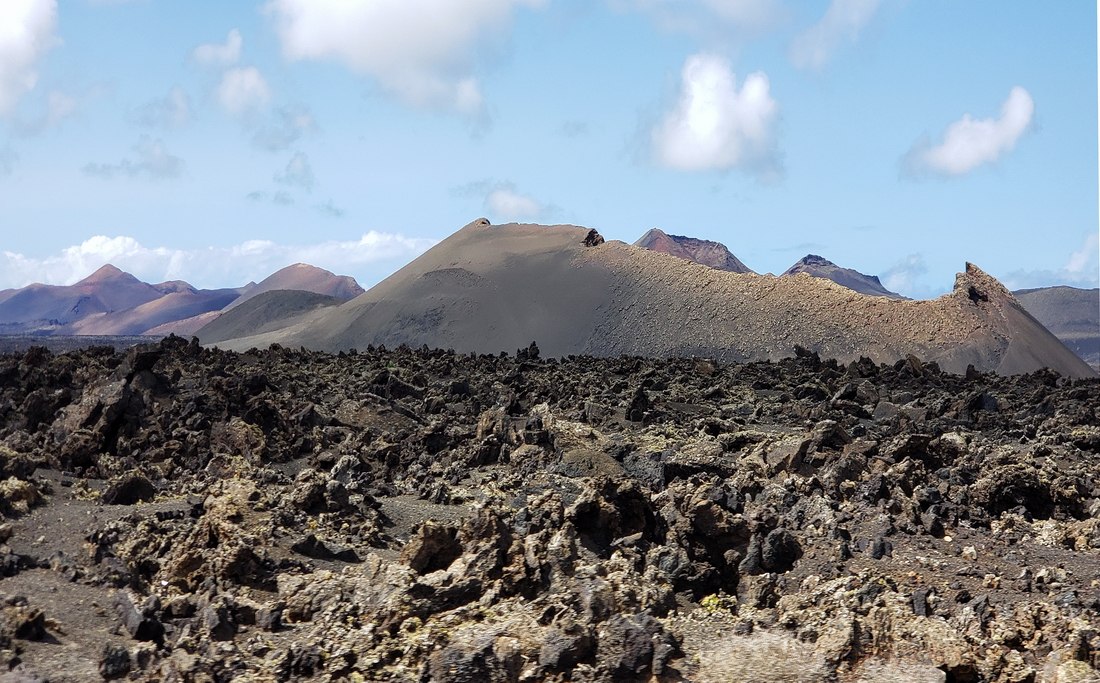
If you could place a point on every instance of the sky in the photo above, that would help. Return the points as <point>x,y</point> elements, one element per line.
<point>216,142</point>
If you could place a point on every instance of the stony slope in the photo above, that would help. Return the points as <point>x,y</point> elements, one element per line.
<point>491,288</point>
<point>176,513</point>
<point>705,252</point>
<point>1072,314</point>
<point>816,266</point>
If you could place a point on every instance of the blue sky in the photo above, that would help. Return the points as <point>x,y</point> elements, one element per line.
<point>216,142</point>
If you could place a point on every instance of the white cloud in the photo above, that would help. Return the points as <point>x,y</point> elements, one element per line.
<point>969,143</point>
<point>505,203</point>
<point>298,173</point>
<point>715,125</point>
<point>421,50</point>
<point>151,160</point>
<point>171,111</point>
<point>230,266</point>
<point>26,34</point>
<point>243,90</point>
<point>220,54</point>
<point>844,20</point>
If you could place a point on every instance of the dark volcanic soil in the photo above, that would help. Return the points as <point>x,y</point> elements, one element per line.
<point>180,513</point>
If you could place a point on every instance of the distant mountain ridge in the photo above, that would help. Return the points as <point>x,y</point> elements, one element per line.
<point>818,266</point>
<point>112,302</point>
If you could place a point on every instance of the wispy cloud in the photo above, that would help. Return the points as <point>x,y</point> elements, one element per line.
<point>715,125</point>
<point>904,277</point>
<point>713,20</point>
<point>151,160</point>
<point>220,54</point>
<point>285,126</point>
<point>802,247</point>
<point>54,109</point>
<point>843,21</point>
<point>298,173</point>
<point>243,91</point>
<point>229,266</point>
<point>174,110</point>
<point>574,129</point>
<point>330,209</point>
<point>278,198</point>
<point>1081,269</point>
<point>970,143</point>
<point>8,158</point>
<point>1084,260</point>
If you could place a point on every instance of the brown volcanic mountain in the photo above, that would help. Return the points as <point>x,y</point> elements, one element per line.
<point>816,266</point>
<point>705,252</point>
<point>488,289</point>
<point>51,306</point>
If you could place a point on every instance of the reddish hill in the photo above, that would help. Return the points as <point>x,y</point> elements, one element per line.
<point>111,302</point>
<point>108,289</point>
<point>704,252</point>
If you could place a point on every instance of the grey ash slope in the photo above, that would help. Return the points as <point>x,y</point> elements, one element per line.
<point>705,252</point>
<point>817,266</point>
<point>265,312</point>
<point>1072,314</point>
<point>492,288</point>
